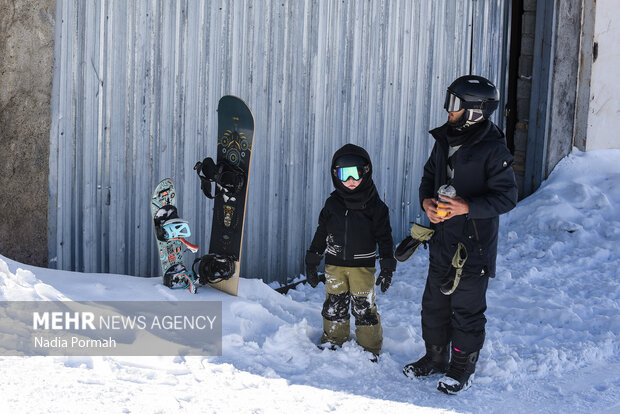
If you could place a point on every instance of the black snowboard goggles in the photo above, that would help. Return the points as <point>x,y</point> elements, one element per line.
<point>453,103</point>
<point>355,172</point>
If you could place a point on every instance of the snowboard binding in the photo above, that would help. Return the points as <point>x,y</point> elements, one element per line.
<point>229,179</point>
<point>168,226</point>
<point>214,268</point>
<point>178,277</point>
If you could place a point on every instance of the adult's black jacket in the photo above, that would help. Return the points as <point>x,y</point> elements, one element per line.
<point>484,178</point>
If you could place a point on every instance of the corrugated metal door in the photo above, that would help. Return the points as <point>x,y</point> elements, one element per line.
<point>135,91</point>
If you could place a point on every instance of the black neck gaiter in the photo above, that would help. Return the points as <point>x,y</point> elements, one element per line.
<point>457,137</point>
<point>360,197</point>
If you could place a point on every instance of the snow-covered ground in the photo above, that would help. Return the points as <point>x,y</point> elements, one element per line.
<point>552,333</point>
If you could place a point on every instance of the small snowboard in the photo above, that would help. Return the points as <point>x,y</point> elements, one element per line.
<point>229,176</point>
<point>170,234</point>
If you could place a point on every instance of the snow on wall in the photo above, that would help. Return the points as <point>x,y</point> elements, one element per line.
<point>135,92</point>
<point>604,112</point>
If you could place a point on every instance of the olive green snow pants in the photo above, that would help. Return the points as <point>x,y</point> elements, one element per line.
<point>353,286</point>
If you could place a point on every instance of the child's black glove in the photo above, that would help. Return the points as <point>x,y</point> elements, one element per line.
<point>385,280</point>
<point>312,263</point>
<point>388,266</point>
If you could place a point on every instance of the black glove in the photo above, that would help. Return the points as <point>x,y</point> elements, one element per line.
<point>385,280</point>
<point>312,263</point>
<point>388,266</point>
<point>418,235</point>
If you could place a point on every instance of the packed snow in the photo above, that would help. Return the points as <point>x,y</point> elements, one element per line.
<point>552,333</point>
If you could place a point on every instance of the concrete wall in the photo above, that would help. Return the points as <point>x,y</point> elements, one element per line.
<point>26,62</point>
<point>524,89</point>
<point>604,105</point>
<point>563,92</point>
<point>547,88</point>
<point>586,49</point>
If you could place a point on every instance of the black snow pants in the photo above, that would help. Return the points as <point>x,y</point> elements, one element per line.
<point>457,318</point>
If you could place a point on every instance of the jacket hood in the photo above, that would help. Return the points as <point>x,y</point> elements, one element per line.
<point>358,197</point>
<point>350,149</point>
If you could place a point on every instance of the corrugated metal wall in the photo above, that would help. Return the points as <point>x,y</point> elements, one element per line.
<point>135,92</point>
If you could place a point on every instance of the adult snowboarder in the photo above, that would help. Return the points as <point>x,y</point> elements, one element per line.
<point>471,156</point>
<point>352,223</point>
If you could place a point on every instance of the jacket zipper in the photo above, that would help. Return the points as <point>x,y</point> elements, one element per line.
<point>475,229</point>
<point>480,251</point>
<point>346,231</point>
<point>441,238</point>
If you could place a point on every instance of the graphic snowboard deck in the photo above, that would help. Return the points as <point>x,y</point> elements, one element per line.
<point>170,251</point>
<point>234,145</point>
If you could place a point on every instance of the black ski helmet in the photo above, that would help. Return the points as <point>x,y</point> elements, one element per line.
<point>350,160</point>
<point>472,92</point>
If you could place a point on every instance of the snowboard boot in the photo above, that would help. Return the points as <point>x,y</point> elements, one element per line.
<point>435,361</point>
<point>460,373</point>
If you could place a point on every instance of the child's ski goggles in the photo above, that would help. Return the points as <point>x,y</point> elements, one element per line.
<point>344,173</point>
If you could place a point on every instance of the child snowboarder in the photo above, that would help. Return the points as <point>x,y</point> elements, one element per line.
<point>351,224</point>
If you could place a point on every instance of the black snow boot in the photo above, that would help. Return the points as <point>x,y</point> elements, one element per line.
<point>435,361</point>
<point>460,373</point>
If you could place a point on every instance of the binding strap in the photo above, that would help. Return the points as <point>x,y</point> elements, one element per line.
<point>213,268</point>
<point>176,228</point>
<point>228,179</point>
<point>177,277</point>
<point>168,226</point>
